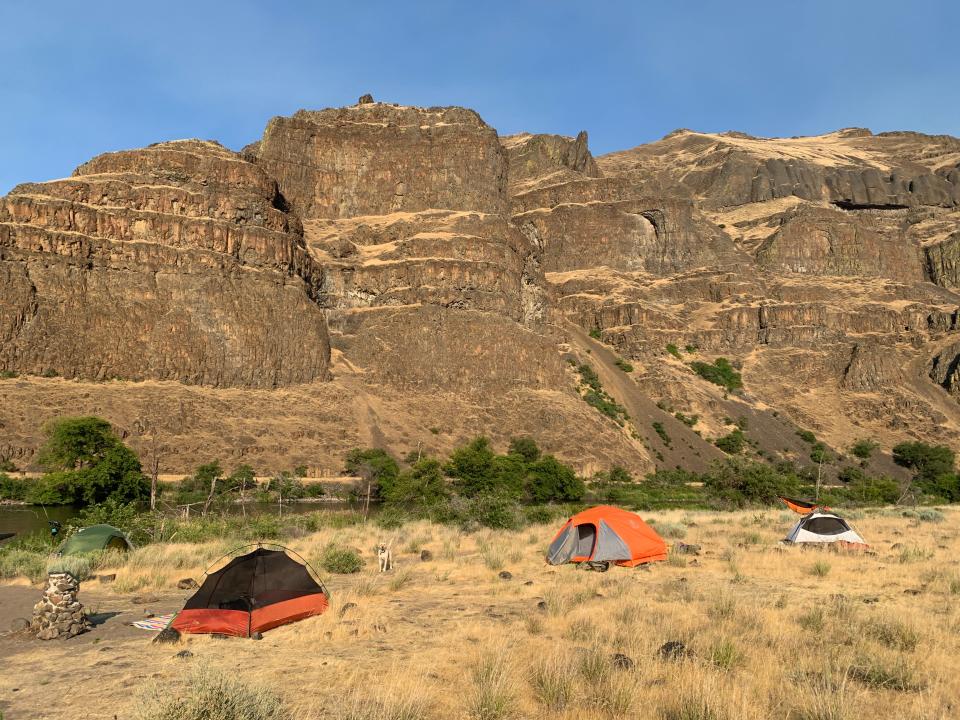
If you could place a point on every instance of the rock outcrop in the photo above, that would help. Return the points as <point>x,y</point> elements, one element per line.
<point>377,158</point>
<point>397,276</point>
<point>175,262</point>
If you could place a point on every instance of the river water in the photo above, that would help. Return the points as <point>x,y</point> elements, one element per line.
<point>27,519</point>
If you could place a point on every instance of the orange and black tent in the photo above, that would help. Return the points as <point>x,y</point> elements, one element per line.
<point>253,593</point>
<point>606,533</point>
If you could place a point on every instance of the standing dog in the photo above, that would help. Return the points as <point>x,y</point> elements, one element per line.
<point>385,557</point>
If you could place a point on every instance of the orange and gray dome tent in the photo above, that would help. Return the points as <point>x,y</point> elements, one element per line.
<point>253,593</point>
<point>606,533</point>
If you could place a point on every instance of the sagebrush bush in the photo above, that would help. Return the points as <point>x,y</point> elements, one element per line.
<point>341,560</point>
<point>211,695</point>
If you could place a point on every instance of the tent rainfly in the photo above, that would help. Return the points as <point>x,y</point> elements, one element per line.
<point>95,538</point>
<point>605,533</point>
<point>253,593</point>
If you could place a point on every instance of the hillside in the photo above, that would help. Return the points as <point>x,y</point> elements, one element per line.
<point>404,277</point>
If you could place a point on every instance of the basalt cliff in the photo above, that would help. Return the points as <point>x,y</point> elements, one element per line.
<point>406,278</point>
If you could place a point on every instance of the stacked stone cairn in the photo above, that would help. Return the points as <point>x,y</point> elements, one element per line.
<point>59,614</point>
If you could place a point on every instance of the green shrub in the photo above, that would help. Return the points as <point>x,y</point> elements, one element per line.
<point>658,427</point>
<point>863,448</point>
<point>13,488</point>
<point>549,480</point>
<point>494,511</point>
<point>819,453</point>
<point>341,560</point>
<point>741,482</point>
<point>210,695</point>
<point>732,443</point>
<point>688,420</point>
<point>720,372</point>
<point>673,350</point>
<point>16,562</point>
<point>807,436</point>
<point>595,333</point>
<point>624,365</point>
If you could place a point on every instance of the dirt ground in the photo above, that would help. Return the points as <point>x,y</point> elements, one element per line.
<point>770,631</point>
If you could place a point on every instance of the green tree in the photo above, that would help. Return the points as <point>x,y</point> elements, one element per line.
<point>375,466</point>
<point>933,468</point>
<point>550,480</point>
<point>526,447</point>
<point>241,480</point>
<point>422,485</point>
<point>927,461</point>
<point>74,443</point>
<point>741,482</point>
<point>89,464</point>
<point>472,468</point>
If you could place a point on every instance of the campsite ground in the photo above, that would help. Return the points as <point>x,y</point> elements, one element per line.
<point>770,632</point>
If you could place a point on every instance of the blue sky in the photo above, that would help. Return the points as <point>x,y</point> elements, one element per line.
<point>83,78</point>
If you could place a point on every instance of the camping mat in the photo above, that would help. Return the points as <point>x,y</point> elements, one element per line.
<point>155,623</point>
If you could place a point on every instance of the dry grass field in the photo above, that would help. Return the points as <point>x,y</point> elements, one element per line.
<point>768,632</point>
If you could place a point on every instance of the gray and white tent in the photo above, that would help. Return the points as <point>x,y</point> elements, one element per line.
<point>820,526</point>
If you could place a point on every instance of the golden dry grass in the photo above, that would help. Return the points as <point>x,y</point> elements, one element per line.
<point>767,635</point>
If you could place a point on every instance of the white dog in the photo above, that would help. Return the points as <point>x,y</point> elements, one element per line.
<point>385,557</point>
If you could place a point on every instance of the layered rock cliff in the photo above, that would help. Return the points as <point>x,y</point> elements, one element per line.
<point>400,276</point>
<point>175,262</point>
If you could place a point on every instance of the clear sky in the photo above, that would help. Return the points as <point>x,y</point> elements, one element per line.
<point>80,78</point>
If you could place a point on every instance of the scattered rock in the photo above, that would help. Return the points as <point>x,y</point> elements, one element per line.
<point>673,650</point>
<point>19,624</point>
<point>912,591</point>
<point>256,636</point>
<point>148,614</point>
<point>365,99</point>
<point>529,582</point>
<point>505,575</point>
<point>219,636</point>
<point>167,635</point>
<point>871,600</point>
<point>542,605</point>
<point>345,608</point>
<point>622,662</point>
<point>187,584</point>
<point>426,556</point>
<point>896,546</point>
<point>105,579</point>
<point>184,654</point>
<point>694,563</point>
<point>685,549</point>
<point>144,599</point>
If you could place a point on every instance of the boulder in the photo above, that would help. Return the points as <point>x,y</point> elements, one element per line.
<point>187,584</point>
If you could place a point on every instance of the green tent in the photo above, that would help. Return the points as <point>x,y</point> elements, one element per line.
<point>95,538</point>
